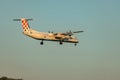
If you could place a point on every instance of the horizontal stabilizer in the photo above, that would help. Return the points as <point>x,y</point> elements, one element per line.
<point>21,19</point>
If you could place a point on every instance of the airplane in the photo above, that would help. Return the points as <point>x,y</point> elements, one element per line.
<point>47,36</point>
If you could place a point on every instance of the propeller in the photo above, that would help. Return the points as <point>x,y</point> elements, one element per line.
<point>50,31</point>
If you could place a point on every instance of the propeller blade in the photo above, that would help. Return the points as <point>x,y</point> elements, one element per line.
<point>78,31</point>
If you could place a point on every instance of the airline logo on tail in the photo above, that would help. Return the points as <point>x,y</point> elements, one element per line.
<point>24,22</point>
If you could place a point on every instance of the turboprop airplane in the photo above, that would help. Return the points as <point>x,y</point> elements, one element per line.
<point>47,36</point>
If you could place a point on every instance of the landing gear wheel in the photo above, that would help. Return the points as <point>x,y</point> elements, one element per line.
<point>41,43</point>
<point>75,44</point>
<point>61,42</point>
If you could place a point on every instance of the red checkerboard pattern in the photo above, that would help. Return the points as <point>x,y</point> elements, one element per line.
<point>24,24</point>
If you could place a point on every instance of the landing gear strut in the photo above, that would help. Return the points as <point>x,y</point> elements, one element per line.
<point>61,42</point>
<point>41,42</point>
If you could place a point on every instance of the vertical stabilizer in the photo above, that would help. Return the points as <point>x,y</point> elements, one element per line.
<point>24,22</point>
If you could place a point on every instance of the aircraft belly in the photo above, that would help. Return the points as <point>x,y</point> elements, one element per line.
<point>40,36</point>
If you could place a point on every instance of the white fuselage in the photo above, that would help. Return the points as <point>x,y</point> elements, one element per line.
<point>49,36</point>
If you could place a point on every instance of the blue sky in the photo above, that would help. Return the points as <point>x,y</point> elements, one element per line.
<point>96,57</point>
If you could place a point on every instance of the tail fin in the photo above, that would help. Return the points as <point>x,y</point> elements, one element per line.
<point>24,22</point>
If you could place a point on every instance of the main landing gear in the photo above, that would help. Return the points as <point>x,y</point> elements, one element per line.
<point>61,42</point>
<point>41,42</point>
